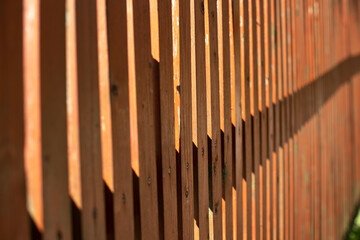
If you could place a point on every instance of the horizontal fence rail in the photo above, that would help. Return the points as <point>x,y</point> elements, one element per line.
<point>179,119</point>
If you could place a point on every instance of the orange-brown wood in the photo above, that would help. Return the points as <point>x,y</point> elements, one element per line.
<point>14,219</point>
<point>104,93</point>
<point>238,121</point>
<point>263,80</point>
<point>228,152</point>
<point>202,137</point>
<point>271,123</point>
<point>233,116</point>
<point>167,121</point>
<point>217,119</point>
<point>145,69</point>
<point>278,96</point>
<point>93,208</point>
<point>186,148</point>
<point>32,122</point>
<point>57,220</point>
<point>254,102</point>
<point>248,124</point>
<point>120,117</point>
<point>285,120</point>
<point>216,168</point>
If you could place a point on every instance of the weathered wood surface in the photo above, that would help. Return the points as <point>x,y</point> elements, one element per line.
<point>184,119</point>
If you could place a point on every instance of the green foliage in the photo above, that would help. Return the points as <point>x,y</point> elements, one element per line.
<point>355,230</point>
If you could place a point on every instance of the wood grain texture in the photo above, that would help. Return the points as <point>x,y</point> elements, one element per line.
<point>272,101</point>
<point>32,115</point>
<point>57,221</point>
<point>120,118</point>
<point>187,187</point>
<point>12,173</point>
<point>228,152</point>
<point>248,122</point>
<point>104,94</point>
<point>184,119</point>
<point>254,105</point>
<point>263,86</point>
<point>93,208</point>
<point>202,137</point>
<point>145,102</point>
<point>278,95</point>
<point>167,121</point>
<point>215,120</point>
<point>238,122</point>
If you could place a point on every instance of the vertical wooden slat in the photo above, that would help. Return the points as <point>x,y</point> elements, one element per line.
<point>329,188</point>
<point>194,117</point>
<point>72,107</point>
<point>278,93</point>
<point>186,156</point>
<point>145,87</point>
<point>104,94</point>
<point>317,98</point>
<point>215,120</point>
<point>208,114</point>
<point>292,112</point>
<point>92,212</point>
<point>105,116</point>
<point>120,116</point>
<point>300,73</point>
<point>329,148</point>
<point>243,117</point>
<point>14,221</point>
<point>176,69</point>
<point>233,114</point>
<point>167,120</point>
<point>254,99</point>
<point>310,135</point>
<point>154,34</point>
<point>284,125</point>
<point>323,129</point>
<point>268,111</point>
<point>220,23</point>
<point>57,222</point>
<point>289,134</point>
<point>248,124</point>
<point>32,115</point>
<point>228,152</point>
<point>263,80</point>
<point>323,168</point>
<point>285,120</point>
<point>201,88</point>
<point>307,137</point>
<point>238,121</point>
<point>272,101</point>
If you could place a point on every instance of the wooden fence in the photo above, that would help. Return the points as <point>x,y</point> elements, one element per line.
<point>181,119</point>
